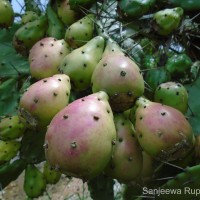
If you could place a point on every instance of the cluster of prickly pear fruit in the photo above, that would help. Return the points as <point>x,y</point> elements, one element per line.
<point>88,110</point>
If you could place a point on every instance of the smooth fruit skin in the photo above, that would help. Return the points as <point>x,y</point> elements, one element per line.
<point>80,64</point>
<point>172,94</point>
<point>163,132</point>
<point>44,99</point>
<point>126,162</point>
<point>6,14</point>
<point>80,138</point>
<point>120,78</point>
<point>46,55</point>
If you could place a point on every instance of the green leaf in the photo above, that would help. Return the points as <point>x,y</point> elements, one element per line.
<point>11,63</point>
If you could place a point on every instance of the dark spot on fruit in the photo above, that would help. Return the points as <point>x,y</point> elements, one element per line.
<point>61,53</point>
<point>45,56</point>
<point>177,93</point>
<point>140,135</point>
<point>145,106</point>
<point>81,81</point>
<point>41,44</point>
<point>73,144</point>
<point>105,64</point>
<point>120,139</point>
<point>160,134</point>
<point>159,88</point>
<point>36,100</point>
<point>168,88</point>
<point>141,118</point>
<point>179,85</point>
<point>113,142</point>
<point>163,113</point>
<point>96,118</point>
<point>10,126</point>
<point>55,94</point>
<point>45,146</point>
<point>44,81</point>
<point>81,22</point>
<point>82,52</point>
<point>130,158</point>
<point>82,99</point>
<point>65,117</point>
<point>59,79</point>
<point>123,73</point>
<point>97,46</point>
<point>67,93</point>
<point>52,45</point>
<point>122,123</point>
<point>84,65</point>
<point>99,99</point>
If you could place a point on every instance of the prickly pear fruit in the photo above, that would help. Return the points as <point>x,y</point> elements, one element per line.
<point>11,128</point>
<point>7,14</point>
<point>29,16</point>
<point>172,94</point>
<point>126,162</point>
<point>8,150</point>
<point>27,35</point>
<point>120,77</point>
<point>76,38</point>
<point>149,62</point>
<point>52,176</point>
<point>178,64</point>
<point>80,3</point>
<point>80,70</point>
<point>56,27</point>
<point>34,182</point>
<point>163,131</point>
<point>44,99</point>
<point>135,8</point>
<point>82,151</point>
<point>147,166</point>
<point>45,57</point>
<point>65,13</point>
<point>167,20</point>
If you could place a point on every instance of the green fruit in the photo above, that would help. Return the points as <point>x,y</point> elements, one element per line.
<point>80,70</point>
<point>135,8</point>
<point>52,176</point>
<point>34,182</point>
<point>8,150</point>
<point>6,14</point>
<point>29,16</point>
<point>27,35</point>
<point>178,64</point>
<point>65,13</point>
<point>11,128</point>
<point>76,38</point>
<point>167,20</point>
<point>172,94</point>
<point>149,62</point>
